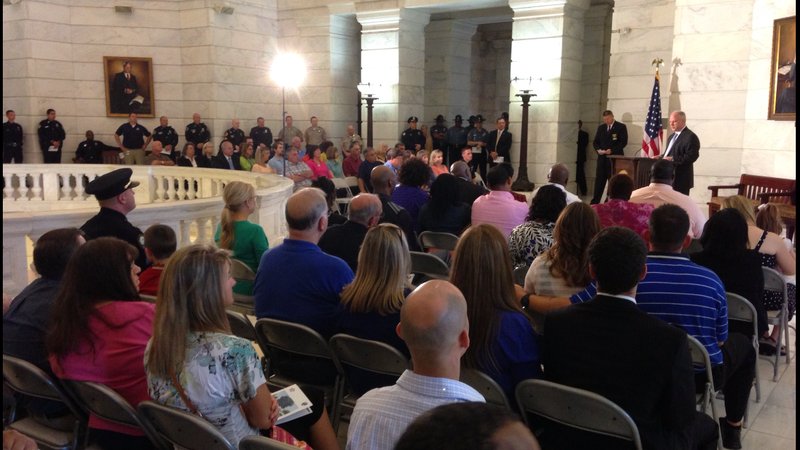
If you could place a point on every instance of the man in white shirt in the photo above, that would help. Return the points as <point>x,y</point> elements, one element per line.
<point>558,176</point>
<point>434,325</point>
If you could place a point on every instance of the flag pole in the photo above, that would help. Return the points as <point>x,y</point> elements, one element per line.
<point>658,62</point>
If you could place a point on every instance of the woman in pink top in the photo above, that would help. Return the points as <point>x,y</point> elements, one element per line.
<point>318,166</point>
<point>436,163</point>
<point>102,330</point>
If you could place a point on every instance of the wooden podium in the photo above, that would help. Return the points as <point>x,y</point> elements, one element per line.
<point>636,167</point>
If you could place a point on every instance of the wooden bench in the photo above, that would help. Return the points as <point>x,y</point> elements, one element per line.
<point>762,190</point>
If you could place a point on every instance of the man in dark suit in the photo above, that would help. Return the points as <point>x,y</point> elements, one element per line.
<point>498,143</point>
<point>611,347</point>
<point>345,240</point>
<point>225,159</point>
<point>610,139</point>
<point>467,190</point>
<point>683,149</point>
<point>123,90</point>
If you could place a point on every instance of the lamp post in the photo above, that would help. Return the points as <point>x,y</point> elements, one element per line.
<point>366,90</point>
<point>522,183</point>
<point>287,70</point>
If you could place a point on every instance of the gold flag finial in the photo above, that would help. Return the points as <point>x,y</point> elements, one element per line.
<point>658,62</point>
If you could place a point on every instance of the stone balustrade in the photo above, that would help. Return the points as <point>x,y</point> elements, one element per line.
<point>38,198</point>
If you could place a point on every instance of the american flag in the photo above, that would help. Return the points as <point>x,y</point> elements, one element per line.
<point>653,131</point>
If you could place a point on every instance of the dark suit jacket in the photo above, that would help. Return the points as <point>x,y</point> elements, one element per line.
<point>616,139</point>
<point>220,162</point>
<point>203,160</point>
<point>344,241</point>
<point>503,146</point>
<point>685,151</point>
<point>611,347</point>
<point>121,100</point>
<point>184,162</point>
<point>468,191</point>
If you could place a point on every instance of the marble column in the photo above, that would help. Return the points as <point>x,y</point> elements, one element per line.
<point>393,55</point>
<point>547,43</point>
<point>448,62</point>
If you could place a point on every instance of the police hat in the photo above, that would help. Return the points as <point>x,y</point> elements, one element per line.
<point>439,118</point>
<point>471,118</point>
<point>111,184</point>
<point>479,118</point>
<point>458,118</point>
<point>412,119</point>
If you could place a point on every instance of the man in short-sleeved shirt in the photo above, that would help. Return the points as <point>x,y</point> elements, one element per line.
<point>498,207</point>
<point>167,136</point>
<point>133,141</point>
<point>197,132</point>
<point>261,134</point>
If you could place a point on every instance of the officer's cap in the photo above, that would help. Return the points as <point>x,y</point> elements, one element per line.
<point>479,118</point>
<point>412,119</point>
<point>471,118</point>
<point>111,184</point>
<point>458,118</point>
<point>439,118</point>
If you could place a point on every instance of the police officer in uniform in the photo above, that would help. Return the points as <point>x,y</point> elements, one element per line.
<point>51,138</point>
<point>114,192</point>
<point>456,139</point>
<point>262,135</point>
<point>91,151</point>
<point>235,136</point>
<point>412,138</point>
<point>471,126</point>
<point>167,136</point>
<point>477,140</point>
<point>197,132</point>
<point>12,139</point>
<point>438,134</point>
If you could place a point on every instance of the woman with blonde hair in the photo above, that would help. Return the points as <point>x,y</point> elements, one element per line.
<point>564,269</point>
<point>260,161</point>
<point>206,155</point>
<point>193,362</point>
<point>774,255</point>
<point>502,341</point>
<point>436,163</point>
<point>246,239</point>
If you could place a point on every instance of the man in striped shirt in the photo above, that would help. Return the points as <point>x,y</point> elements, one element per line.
<point>692,297</point>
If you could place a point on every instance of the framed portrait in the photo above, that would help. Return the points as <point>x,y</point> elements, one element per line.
<point>129,86</point>
<point>782,86</point>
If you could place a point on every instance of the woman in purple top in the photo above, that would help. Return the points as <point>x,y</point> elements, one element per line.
<point>502,341</point>
<point>409,193</point>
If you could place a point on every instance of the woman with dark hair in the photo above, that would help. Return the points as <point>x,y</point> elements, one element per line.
<point>535,236</point>
<point>317,165</point>
<point>443,212</point>
<point>725,252</point>
<point>326,186</point>
<point>99,329</point>
<point>414,175</point>
<point>188,158</point>
<point>502,341</point>
<point>618,211</point>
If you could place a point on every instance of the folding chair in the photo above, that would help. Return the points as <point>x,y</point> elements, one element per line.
<point>576,408</point>
<point>740,309</point>
<point>27,379</point>
<point>242,272</point>
<point>298,354</point>
<point>263,443</point>
<point>519,275</point>
<point>373,357</point>
<point>183,429</point>
<point>107,404</point>
<point>773,281</point>
<point>427,266</point>
<point>343,202</point>
<point>243,328</point>
<point>438,240</point>
<point>484,384</point>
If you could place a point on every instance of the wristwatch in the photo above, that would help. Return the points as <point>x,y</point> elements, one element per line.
<point>525,301</point>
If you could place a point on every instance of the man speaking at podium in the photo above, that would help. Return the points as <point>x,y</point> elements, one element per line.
<point>683,149</point>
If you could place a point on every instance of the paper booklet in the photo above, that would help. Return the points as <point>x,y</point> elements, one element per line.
<point>138,99</point>
<point>292,403</point>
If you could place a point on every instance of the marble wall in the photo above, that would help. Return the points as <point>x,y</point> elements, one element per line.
<point>491,75</point>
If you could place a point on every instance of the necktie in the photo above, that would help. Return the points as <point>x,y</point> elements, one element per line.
<point>609,128</point>
<point>230,162</point>
<point>499,133</point>
<point>127,76</point>
<point>669,144</point>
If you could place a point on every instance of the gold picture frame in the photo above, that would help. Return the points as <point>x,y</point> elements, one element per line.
<point>131,91</point>
<point>782,85</point>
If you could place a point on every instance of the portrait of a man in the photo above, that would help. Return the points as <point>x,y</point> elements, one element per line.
<point>783,90</point>
<point>129,86</point>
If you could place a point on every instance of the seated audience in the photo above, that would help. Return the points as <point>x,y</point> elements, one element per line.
<point>206,155</point>
<point>351,164</point>
<point>159,244</point>
<point>503,343</point>
<point>774,255</point>
<point>660,191</point>
<point>247,158</point>
<point>602,346</point>
<point>535,236</point>
<point>564,268</point>
<point>618,211</point>
<point>159,156</point>
<point>26,323</point>
<point>345,240</point>
<point>410,193</point>
<point>261,160</point>
<point>365,170</point>
<point>329,189</point>
<point>437,163</point>
<point>296,281</point>
<point>468,191</point>
<point>726,253</point>
<point>444,212</point>
<point>318,167</point>
<point>297,170</point>
<point>460,426</point>
<point>245,239</point>
<point>91,151</point>
<point>334,162</point>
<point>434,326</point>
<point>195,364</point>
<point>498,207</point>
<point>188,158</point>
<point>558,176</point>
<point>226,159</point>
<point>102,330</point>
<point>383,184</point>
<point>277,161</point>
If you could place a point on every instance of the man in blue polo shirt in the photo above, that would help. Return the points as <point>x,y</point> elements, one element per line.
<point>692,297</point>
<point>133,143</point>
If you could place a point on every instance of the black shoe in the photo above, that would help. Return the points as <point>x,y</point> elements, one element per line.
<point>731,435</point>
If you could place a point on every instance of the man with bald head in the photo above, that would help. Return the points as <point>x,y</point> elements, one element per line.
<point>235,135</point>
<point>197,132</point>
<point>296,281</point>
<point>467,190</point>
<point>345,240</point>
<point>434,326</point>
<point>383,183</point>
<point>558,176</point>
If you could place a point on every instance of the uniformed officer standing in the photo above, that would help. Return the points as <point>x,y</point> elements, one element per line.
<point>197,132</point>
<point>477,140</point>
<point>456,140</point>
<point>167,136</point>
<point>412,138</point>
<point>261,135</point>
<point>12,139</point>
<point>438,134</point>
<point>314,136</point>
<point>51,138</point>
<point>235,136</point>
<point>114,192</point>
<point>133,143</point>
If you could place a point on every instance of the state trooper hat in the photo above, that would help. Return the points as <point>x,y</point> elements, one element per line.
<point>412,119</point>
<point>458,118</point>
<point>479,118</point>
<point>439,118</point>
<point>111,184</point>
